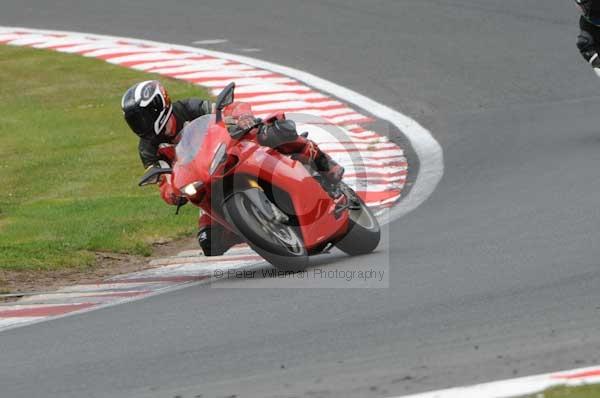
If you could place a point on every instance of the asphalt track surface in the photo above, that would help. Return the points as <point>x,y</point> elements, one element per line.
<point>496,275</point>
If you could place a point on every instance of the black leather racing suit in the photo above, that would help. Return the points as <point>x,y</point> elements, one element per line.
<point>588,40</point>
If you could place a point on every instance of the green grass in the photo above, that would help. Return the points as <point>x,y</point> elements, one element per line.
<point>69,164</point>
<point>588,391</point>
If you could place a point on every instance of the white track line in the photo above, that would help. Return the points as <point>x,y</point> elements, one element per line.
<point>210,41</point>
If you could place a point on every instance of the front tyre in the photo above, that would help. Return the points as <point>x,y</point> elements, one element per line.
<point>278,243</point>
<point>364,232</point>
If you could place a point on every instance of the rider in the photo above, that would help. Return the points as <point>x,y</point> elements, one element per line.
<point>158,122</point>
<point>589,36</point>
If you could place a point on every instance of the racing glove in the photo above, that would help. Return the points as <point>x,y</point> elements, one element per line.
<point>245,121</point>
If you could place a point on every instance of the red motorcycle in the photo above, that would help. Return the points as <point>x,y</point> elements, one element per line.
<point>279,206</point>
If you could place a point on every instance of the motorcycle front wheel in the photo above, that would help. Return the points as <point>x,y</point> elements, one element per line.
<point>277,242</point>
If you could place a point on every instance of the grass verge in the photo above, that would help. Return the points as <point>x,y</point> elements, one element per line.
<point>587,391</point>
<point>69,165</point>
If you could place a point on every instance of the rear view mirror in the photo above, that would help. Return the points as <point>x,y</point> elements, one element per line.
<point>152,175</point>
<point>226,97</point>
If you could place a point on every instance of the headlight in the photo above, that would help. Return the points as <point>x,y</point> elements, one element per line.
<point>192,189</point>
<point>220,157</point>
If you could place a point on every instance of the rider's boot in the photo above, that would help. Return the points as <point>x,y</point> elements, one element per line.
<point>328,168</point>
<point>213,238</point>
<point>330,171</point>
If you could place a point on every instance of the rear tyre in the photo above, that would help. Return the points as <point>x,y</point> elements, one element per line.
<point>364,232</point>
<point>278,243</point>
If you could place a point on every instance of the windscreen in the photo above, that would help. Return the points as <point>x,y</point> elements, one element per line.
<point>192,138</point>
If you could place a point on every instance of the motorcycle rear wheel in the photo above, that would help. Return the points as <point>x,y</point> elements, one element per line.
<point>364,232</point>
